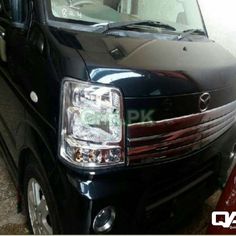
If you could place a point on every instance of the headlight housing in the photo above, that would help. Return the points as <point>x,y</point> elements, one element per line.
<point>92,130</point>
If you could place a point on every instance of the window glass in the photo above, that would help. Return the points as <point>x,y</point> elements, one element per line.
<point>7,7</point>
<point>181,12</point>
<point>15,9</point>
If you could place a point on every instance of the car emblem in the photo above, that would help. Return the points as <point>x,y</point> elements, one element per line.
<point>204,101</point>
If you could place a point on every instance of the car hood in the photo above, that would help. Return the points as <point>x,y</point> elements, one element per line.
<point>154,67</point>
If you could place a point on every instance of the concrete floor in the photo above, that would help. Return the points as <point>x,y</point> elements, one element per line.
<point>10,221</point>
<point>13,223</point>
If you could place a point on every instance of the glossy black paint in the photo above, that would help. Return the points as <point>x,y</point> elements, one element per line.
<point>164,75</point>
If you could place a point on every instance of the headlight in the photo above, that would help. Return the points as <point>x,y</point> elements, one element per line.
<point>92,125</point>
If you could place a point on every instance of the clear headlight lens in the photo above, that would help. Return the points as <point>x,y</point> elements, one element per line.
<point>91,125</point>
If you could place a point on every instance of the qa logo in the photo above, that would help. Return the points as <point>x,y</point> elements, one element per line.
<point>225,219</point>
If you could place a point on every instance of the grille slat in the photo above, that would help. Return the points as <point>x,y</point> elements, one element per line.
<point>178,136</point>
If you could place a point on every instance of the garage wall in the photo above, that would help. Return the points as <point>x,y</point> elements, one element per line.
<point>220,18</point>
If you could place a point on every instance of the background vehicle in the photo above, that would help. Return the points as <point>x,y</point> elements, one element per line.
<point>114,116</point>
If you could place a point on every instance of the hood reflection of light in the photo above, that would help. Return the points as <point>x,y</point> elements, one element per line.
<point>114,76</point>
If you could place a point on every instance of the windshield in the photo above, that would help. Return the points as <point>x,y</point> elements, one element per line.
<point>182,14</point>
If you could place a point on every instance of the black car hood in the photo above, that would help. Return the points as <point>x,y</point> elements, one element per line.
<point>152,67</point>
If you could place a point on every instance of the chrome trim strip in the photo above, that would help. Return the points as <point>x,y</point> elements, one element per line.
<point>153,123</point>
<point>179,136</point>
<point>183,150</point>
<point>189,148</point>
<point>186,139</point>
<point>201,126</point>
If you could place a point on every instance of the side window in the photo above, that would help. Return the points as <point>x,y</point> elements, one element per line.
<point>24,7</point>
<point>6,4</point>
<point>19,10</point>
<point>15,10</point>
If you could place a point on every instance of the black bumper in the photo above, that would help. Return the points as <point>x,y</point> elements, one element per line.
<point>147,199</point>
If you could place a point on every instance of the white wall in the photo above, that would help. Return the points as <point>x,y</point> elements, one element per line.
<point>220,19</point>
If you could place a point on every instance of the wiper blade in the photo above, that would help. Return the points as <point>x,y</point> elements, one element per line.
<point>186,33</point>
<point>127,25</point>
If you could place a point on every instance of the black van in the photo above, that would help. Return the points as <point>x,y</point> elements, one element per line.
<point>115,115</point>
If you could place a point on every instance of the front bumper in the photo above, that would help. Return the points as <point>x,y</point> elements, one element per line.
<point>148,199</point>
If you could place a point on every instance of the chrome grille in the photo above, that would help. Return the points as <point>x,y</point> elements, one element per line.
<point>179,136</point>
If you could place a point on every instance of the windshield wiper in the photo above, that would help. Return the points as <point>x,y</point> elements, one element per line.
<point>186,33</point>
<point>126,25</point>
